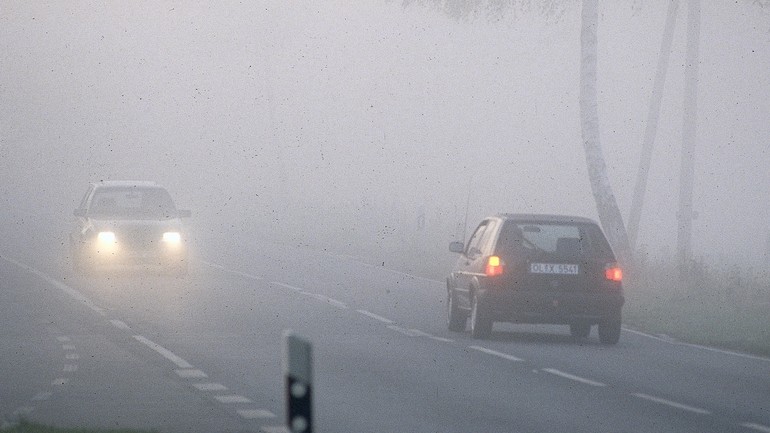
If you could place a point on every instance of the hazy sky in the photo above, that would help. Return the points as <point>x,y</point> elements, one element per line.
<point>372,112</point>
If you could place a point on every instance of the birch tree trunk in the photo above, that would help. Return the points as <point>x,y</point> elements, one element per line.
<point>651,127</point>
<point>606,205</point>
<point>689,137</point>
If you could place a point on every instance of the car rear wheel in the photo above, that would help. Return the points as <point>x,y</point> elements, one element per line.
<point>609,331</point>
<point>456,319</point>
<point>580,330</point>
<point>480,326</point>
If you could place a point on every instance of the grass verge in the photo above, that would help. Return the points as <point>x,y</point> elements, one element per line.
<point>31,427</point>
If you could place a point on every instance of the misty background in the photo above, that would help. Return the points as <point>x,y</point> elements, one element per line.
<point>361,126</point>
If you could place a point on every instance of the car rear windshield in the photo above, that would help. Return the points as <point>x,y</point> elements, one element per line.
<point>556,238</point>
<point>132,202</point>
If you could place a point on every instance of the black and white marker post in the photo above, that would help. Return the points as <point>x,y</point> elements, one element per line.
<point>298,381</point>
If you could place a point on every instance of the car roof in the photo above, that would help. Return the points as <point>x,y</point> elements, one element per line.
<point>125,183</point>
<point>549,218</point>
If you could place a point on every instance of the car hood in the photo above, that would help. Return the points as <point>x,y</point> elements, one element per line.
<point>122,224</point>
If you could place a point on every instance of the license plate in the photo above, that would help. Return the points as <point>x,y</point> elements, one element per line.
<point>553,268</point>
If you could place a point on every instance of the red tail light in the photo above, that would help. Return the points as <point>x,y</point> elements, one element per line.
<point>495,266</point>
<point>613,273</point>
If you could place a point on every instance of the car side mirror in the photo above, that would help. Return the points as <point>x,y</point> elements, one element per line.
<point>80,212</point>
<point>185,213</point>
<point>456,247</point>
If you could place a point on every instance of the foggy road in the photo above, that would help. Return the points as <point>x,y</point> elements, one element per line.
<point>203,353</point>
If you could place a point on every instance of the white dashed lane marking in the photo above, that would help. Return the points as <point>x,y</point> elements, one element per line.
<point>255,414</point>
<point>72,356</point>
<point>63,339</point>
<point>190,373</point>
<point>407,332</point>
<point>70,368</point>
<point>181,363</point>
<point>210,387</point>
<point>68,347</point>
<point>376,317</point>
<point>326,299</point>
<point>671,404</point>
<point>120,324</point>
<point>496,353</point>
<point>275,429</point>
<point>573,377</point>
<point>287,286</point>
<point>757,427</point>
<point>230,399</point>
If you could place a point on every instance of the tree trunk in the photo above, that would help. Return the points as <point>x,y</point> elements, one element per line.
<point>689,136</point>
<point>606,205</point>
<point>637,203</point>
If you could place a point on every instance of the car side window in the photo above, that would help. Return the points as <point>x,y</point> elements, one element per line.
<point>84,200</point>
<point>485,243</point>
<point>474,243</point>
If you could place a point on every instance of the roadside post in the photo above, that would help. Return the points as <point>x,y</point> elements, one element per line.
<point>298,381</point>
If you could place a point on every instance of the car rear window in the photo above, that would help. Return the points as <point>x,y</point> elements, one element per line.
<point>558,238</point>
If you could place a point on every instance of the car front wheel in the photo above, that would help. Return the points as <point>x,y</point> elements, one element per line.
<point>480,326</point>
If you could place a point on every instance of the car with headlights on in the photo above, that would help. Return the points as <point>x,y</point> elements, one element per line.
<point>549,269</point>
<point>128,223</point>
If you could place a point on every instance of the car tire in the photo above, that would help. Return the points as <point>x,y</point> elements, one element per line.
<point>609,331</point>
<point>580,330</point>
<point>456,319</point>
<point>480,326</point>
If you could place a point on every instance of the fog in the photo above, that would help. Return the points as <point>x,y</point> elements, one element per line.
<point>364,125</point>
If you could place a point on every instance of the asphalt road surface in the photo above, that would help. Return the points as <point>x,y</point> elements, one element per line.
<point>203,353</point>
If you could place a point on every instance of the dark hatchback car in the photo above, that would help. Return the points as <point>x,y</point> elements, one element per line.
<point>128,223</point>
<point>549,269</point>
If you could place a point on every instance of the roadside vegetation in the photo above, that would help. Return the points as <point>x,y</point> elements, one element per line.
<point>721,306</point>
<point>31,427</point>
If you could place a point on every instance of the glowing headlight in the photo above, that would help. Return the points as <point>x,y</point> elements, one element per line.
<point>172,237</point>
<point>106,237</point>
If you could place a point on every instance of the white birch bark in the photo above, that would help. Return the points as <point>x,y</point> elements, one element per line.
<point>606,205</point>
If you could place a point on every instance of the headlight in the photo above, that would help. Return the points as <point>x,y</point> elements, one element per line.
<point>106,237</point>
<point>172,237</point>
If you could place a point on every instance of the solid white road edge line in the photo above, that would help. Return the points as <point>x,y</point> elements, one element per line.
<point>698,346</point>
<point>496,353</point>
<point>672,403</point>
<point>573,377</point>
<point>181,363</point>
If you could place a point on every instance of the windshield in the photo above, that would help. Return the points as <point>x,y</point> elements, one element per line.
<point>132,202</point>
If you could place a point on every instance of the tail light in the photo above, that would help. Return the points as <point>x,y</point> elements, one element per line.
<point>495,266</point>
<point>613,272</point>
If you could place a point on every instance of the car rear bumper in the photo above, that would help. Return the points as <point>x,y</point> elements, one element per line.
<point>549,307</point>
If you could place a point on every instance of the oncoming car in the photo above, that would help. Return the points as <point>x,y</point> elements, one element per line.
<point>548,269</point>
<point>124,223</point>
